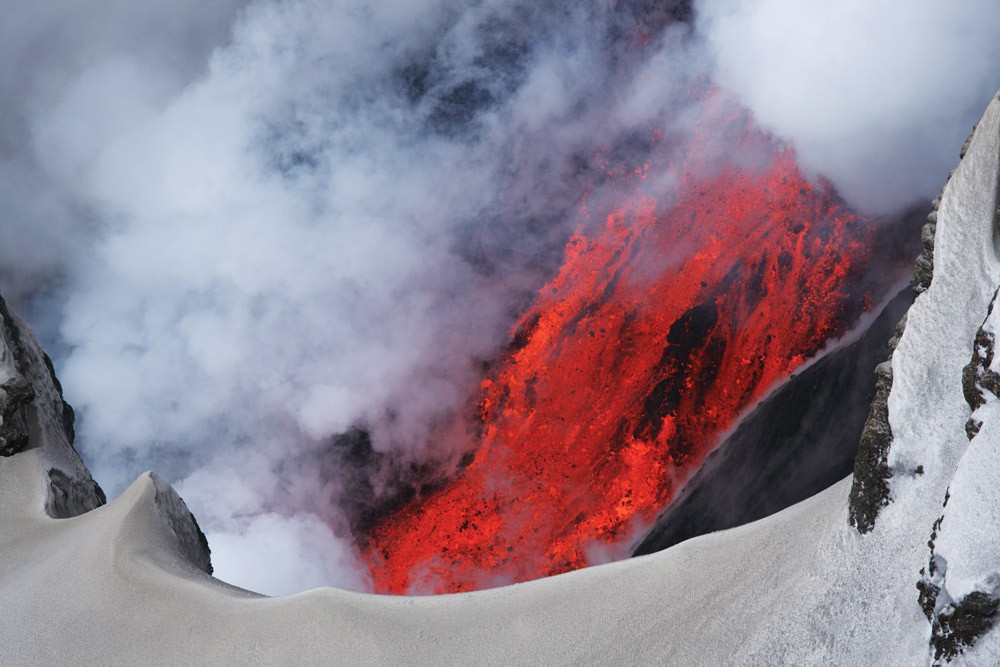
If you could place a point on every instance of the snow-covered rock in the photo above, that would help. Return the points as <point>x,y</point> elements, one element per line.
<point>961,587</point>
<point>34,419</point>
<point>126,583</point>
<point>40,470</point>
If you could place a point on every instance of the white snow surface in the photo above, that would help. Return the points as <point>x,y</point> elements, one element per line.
<point>113,585</point>
<point>967,548</point>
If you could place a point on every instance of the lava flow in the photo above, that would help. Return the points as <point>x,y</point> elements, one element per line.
<point>664,323</point>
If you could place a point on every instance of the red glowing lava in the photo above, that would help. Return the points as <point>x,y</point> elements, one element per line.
<point>664,323</point>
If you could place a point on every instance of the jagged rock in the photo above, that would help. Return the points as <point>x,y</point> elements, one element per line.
<point>928,597</point>
<point>929,585</point>
<point>71,496</point>
<point>959,624</point>
<point>189,538</point>
<point>870,489</point>
<point>923,270</point>
<point>977,376</point>
<point>15,394</point>
<point>35,416</point>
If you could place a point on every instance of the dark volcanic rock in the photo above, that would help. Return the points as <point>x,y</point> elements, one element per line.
<point>28,371</point>
<point>928,597</point>
<point>955,626</point>
<point>977,377</point>
<point>36,416</point>
<point>870,489</point>
<point>958,625</point>
<point>188,535</point>
<point>923,271</point>
<point>72,496</point>
<point>15,394</point>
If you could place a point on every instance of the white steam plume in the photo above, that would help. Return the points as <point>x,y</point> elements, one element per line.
<point>874,94</point>
<point>50,51</point>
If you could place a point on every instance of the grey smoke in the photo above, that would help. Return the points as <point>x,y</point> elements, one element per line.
<point>246,229</point>
<point>51,51</point>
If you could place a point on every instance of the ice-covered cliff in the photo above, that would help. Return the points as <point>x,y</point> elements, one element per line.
<point>913,577</point>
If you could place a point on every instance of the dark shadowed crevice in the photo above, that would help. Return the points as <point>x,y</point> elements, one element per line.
<point>800,441</point>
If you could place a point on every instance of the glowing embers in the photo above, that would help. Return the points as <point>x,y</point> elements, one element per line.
<point>660,328</point>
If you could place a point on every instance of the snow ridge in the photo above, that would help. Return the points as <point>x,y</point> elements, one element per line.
<point>960,590</point>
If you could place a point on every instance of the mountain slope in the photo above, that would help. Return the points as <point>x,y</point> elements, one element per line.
<point>127,582</point>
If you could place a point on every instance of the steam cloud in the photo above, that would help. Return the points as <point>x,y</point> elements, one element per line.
<point>875,95</point>
<point>245,230</point>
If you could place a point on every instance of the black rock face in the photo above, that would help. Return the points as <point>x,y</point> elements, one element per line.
<point>72,496</point>
<point>958,625</point>
<point>15,395</point>
<point>870,489</point>
<point>800,441</point>
<point>977,378</point>
<point>31,399</point>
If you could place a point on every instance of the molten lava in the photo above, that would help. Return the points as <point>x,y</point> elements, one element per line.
<point>665,322</point>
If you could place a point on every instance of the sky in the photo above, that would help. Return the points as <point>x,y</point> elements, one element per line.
<point>246,229</point>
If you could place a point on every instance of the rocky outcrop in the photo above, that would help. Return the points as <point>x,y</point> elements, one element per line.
<point>189,538</point>
<point>978,378</point>
<point>15,395</point>
<point>34,417</point>
<point>923,271</point>
<point>870,489</point>
<point>955,624</point>
<point>870,485</point>
<point>15,392</point>
<point>960,623</point>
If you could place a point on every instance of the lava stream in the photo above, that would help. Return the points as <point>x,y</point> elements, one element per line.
<point>663,324</point>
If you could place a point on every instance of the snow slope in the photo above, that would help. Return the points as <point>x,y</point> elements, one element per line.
<point>126,582</point>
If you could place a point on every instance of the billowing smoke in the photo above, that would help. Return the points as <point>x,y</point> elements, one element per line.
<point>114,62</point>
<point>875,94</point>
<point>274,246</point>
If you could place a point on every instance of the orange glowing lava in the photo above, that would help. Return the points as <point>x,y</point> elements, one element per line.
<point>665,322</point>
